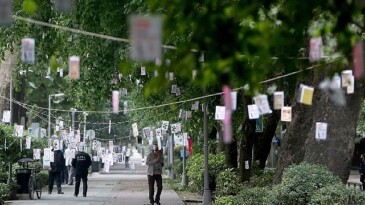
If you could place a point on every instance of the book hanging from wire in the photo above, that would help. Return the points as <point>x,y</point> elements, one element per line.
<point>348,81</point>
<point>220,112</point>
<point>135,129</point>
<point>189,115</point>
<point>28,53</point>
<point>182,114</point>
<point>173,89</point>
<point>178,92</point>
<point>305,95</point>
<point>278,100</point>
<point>315,49</point>
<point>36,154</point>
<point>262,104</point>
<point>115,100</point>
<point>143,70</point>
<point>125,105</point>
<point>253,112</point>
<point>146,132</point>
<point>286,114</point>
<point>195,106</point>
<point>321,131</point>
<point>6,116</point>
<point>123,91</point>
<point>6,10</point>
<point>74,67</point>
<point>165,125</point>
<point>234,100</point>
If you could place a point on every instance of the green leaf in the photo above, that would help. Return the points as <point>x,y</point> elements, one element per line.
<point>30,6</point>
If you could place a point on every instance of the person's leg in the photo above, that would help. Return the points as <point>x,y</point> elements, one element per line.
<point>159,187</point>
<point>58,176</point>
<point>151,184</point>
<point>362,180</point>
<point>84,185</point>
<point>77,184</point>
<point>50,182</point>
<point>70,172</point>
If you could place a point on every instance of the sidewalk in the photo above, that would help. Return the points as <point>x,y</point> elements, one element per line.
<point>120,186</point>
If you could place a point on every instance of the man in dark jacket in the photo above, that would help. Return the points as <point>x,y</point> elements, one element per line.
<point>362,171</point>
<point>81,163</point>
<point>55,169</point>
<point>154,173</point>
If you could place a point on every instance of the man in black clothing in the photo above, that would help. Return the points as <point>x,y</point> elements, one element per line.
<point>55,169</point>
<point>362,171</point>
<point>81,163</point>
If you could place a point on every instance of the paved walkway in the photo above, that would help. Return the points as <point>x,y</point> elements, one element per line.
<point>121,186</point>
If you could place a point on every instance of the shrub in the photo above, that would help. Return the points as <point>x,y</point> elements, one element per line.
<point>301,181</point>
<point>255,196</point>
<point>4,192</point>
<point>3,177</point>
<point>178,167</point>
<point>224,200</point>
<point>195,171</point>
<point>337,194</point>
<point>43,177</point>
<point>227,183</point>
<point>262,179</point>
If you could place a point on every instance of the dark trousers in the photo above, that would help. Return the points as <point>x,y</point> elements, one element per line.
<point>151,186</point>
<point>362,179</point>
<point>51,178</point>
<point>84,184</point>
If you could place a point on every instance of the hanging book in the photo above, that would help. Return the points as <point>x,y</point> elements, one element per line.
<point>220,112</point>
<point>146,38</point>
<point>286,114</point>
<point>173,89</point>
<point>165,125</point>
<point>27,142</point>
<point>195,105</point>
<point>262,104</point>
<point>171,76</point>
<point>135,129</point>
<point>321,130</point>
<point>6,116</point>
<point>143,70</point>
<point>305,94</point>
<point>358,59</point>
<point>351,87</point>
<point>346,78</point>
<point>182,114</point>
<point>189,115</point>
<point>278,100</point>
<point>74,67</point>
<point>28,46</point>
<point>193,74</point>
<point>146,132</point>
<point>173,128</point>
<point>253,112</point>
<point>36,154</point>
<point>125,107</point>
<point>159,143</point>
<point>63,5</point>
<point>178,93</point>
<point>155,73</point>
<point>315,49</point>
<point>115,99</point>
<point>158,132</point>
<point>6,10</point>
<point>234,100</point>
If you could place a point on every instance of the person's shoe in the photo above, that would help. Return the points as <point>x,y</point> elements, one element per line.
<point>75,195</point>
<point>84,195</point>
<point>71,184</point>
<point>157,202</point>
<point>49,192</point>
<point>60,192</point>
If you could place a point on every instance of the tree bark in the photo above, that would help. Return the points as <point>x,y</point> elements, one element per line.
<point>299,143</point>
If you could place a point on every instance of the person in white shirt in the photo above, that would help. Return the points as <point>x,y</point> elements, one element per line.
<point>69,155</point>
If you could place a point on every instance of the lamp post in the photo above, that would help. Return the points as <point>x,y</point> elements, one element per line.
<point>207,195</point>
<point>49,111</point>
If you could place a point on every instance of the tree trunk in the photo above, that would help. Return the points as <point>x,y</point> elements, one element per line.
<point>299,143</point>
<point>231,154</point>
<point>263,140</point>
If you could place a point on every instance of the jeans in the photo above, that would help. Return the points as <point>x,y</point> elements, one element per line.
<point>51,178</point>
<point>84,184</point>
<point>151,186</point>
<point>70,170</point>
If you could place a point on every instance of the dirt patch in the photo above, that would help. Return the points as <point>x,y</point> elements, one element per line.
<point>189,196</point>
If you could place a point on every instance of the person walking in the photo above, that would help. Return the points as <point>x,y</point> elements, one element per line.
<point>69,155</point>
<point>81,163</point>
<point>55,169</point>
<point>154,172</point>
<point>362,171</point>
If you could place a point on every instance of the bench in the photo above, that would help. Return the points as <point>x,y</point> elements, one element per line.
<point>355,184</point>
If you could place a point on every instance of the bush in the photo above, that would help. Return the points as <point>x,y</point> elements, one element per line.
<point>195,171</point>
<point>224,200</point>
<point>255,196</point>
<point>262,179</point>
<point>178,167</point>
<point>301,181</point>
<point>337,194</point>
<point>227,183</point>
<point>3,177</point>
<point>4,192</point>
<point>43,177</point>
